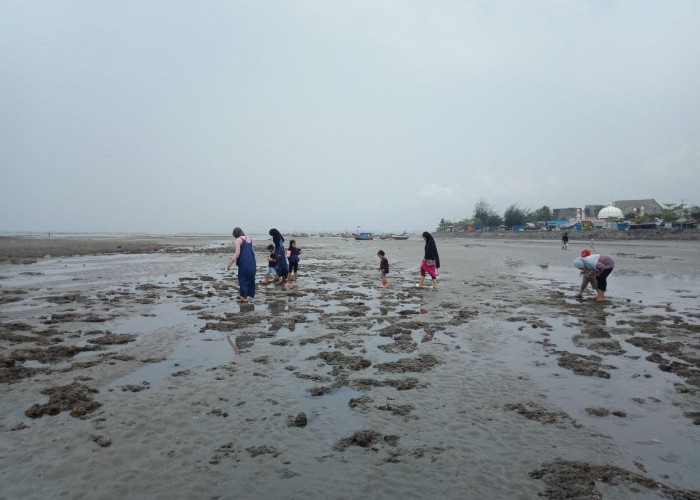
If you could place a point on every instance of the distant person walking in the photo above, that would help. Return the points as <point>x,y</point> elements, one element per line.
<point>293,253</point>
<point>602,265</point>
<point>565,241</point>
<point>244,257</point>
<point>280,257</point>
<point>431,260</point>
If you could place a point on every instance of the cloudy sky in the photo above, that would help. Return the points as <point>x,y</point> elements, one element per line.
<point>179,116</point>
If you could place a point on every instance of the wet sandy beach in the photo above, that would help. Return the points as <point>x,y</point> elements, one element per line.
<point>134,373</point>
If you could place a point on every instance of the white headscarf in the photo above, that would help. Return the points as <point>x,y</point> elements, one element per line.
<point>588,263</point>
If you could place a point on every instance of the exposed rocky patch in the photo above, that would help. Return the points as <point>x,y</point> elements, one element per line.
<point>582,364</point>
<point>113,339</point>
<point>568,479</point>
<point>364,439</point>
<point>421,363</point>
<point>536,412</point>
<point>75,398</point>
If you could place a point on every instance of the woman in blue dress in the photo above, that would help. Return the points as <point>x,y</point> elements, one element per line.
<point>281,256</point>
<point>245,260</point>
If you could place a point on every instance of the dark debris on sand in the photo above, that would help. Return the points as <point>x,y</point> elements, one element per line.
<point>421,363</point>
<point>536,412</point>
<point>575,480</point>
<point>365,439</point>
<point>75,397</point>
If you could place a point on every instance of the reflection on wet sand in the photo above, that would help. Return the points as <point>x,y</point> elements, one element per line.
<point>233,346</point>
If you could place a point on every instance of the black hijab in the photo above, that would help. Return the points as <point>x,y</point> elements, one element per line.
<point>276,237</point>
<point>431,252</point>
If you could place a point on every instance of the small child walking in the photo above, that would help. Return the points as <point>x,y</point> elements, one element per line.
<point>587,277</point>
<point>271,265</point>
<point>293,256</point>
<point>383,268</point>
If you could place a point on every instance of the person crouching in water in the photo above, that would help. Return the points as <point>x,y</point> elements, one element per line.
<point>431,261</point>
<point>587,277</point>
<point>602,265</point>
<point>383,268</point>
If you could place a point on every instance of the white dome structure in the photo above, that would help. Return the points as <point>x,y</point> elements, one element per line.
<point>611,212</point>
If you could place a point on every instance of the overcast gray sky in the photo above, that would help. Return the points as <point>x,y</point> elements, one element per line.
<point>180,116</point>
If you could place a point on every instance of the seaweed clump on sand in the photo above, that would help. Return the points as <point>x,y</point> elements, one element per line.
<point>75,397</point>
<point>365,439</point>
<point>575,479</point>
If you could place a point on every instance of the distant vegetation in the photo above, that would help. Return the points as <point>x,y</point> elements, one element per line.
<point>486,217</point>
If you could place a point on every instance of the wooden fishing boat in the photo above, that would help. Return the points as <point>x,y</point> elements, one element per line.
<point>363,236</point>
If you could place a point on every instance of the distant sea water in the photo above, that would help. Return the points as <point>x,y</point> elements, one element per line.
<point>256,236</point>
<point>86,234</point>
<point>59,234</point>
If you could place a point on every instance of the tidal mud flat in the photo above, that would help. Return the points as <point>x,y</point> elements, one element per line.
<point>128,370</point>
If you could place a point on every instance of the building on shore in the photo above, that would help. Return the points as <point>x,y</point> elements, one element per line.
<point>566,213</point>
<point>591,211</point>
<point>611,212</point>
<point>637,208</point>
<point>629,208</point>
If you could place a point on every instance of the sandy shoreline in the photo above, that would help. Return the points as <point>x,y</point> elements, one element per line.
<point>498,385</point>
<point>20,249</point>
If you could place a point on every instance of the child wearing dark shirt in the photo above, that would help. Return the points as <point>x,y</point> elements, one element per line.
<point>293,256</point>
<point>383,268</point>
<point>271,265</point>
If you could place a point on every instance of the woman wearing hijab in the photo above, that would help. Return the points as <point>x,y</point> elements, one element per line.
<point>602,265</point>
<point>245,261</point>
<point>281,256</point>
<point>431,260</point>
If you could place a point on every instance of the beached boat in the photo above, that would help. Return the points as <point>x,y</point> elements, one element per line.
<point>363,236</point>
<point>403,236</point>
